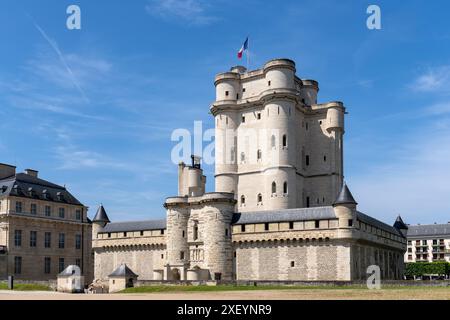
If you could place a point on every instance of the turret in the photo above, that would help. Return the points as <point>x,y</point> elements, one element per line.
<point>191,181</point>
<point>100,221</point>
<point>401,226</point>
<point>345,207</point>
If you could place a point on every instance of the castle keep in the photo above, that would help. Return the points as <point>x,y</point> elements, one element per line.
<point>280,210</point>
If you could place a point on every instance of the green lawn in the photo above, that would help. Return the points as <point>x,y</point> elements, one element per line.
<point>26,287</point>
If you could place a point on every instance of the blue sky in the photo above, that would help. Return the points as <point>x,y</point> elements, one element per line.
<point>94,108</point>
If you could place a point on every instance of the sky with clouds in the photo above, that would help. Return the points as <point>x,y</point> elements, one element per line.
<point>94,109</point>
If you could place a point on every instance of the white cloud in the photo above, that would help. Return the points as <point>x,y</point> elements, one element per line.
<point>435,79</point>
<point>192,11</point>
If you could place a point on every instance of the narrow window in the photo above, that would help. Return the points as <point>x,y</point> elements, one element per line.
<point>61,264</point>
<point>18,206</point>
<point>183,234</point>
<point>124,234</point>
<point>195,231</point>
<point>273,141</point>
<point>243,119</point>
<point>317,224</point>
<point>78,241</point>
<point>242,227</point>
<point>274,187</point>
<point>62,241</point>
<point>33,238</point>
<point>284,141</point>
<point>258,116</point>
<point>320,122</point>
<point>162,256</point>
<point>181,255</point>
<point>33,208</point>
<point>291,225</point>
<point>162,231</point>
<point>226,93</point>
<point>259,198</point>
<point>48,211</point>
<point>142,233</point>
<point>243,89</point>
<point>61,212</point>
<point>285,187</point>
<point>307,160</point>
<point>269,83</point>
<point>237,96</point>
<point>17,265</point>
<point>306,125</point>
<point>18,238</point>
<point>242,200</point>
<point>47,265</point>
<point>292,264</point>
<point>226,232</point>
<point>109,234</point>
<point>307,202</point>
<point>78,214</point>
<point>350,222</point>
<point>266,226</point>
<point>324,158</point>
<point>258,154</point>
<point>47,240</point>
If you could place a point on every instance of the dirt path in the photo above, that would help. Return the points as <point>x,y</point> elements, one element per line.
<point>302,294</point>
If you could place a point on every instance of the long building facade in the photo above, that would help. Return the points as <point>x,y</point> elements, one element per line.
<point>280,210</point>
<point>43,228</point>
<point>428,243</point>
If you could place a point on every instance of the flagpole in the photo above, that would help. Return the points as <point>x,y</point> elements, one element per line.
<point>248,54</point>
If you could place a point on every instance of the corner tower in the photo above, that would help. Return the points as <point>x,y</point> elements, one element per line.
<point>276,147</point>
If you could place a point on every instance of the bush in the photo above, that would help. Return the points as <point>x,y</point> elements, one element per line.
<point>422,268</point>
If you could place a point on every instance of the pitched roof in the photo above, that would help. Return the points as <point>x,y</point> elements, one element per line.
<point>430,230</point>
<point>101,215</point>
<point>376,223</point>
<point>123,271</point>
<point>399,224</point>
<point>284,215</point>
<point>125,226</point>
<point>27,186</point>
<point>345,196</point>
<point>69,271</point>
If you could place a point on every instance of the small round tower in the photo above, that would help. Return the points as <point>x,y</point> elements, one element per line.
<point>100,221</point>
<point>345,208</point>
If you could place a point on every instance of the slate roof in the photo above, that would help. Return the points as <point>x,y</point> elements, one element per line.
<point>430,230</point>
<point>315,213</point>
<point>27,186</point>
<point>345,196</point>
<point>125,226</point>
<point>123,271</point>
<point>377,223</point>
<point>101,215</point>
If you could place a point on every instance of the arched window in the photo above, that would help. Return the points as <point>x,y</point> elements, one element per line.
<point>285,187</point>
<point>272,141</point>
<point>274,187</point>
<point>242,200</point>
<point>259,198</point>
<point>284,141</point>
<point>258,154</point>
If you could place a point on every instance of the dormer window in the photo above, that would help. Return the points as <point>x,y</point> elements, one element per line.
<point>60,196</point>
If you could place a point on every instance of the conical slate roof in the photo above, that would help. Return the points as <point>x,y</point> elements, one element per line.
<point>399,224</point>
<point>101,215</point>
<point>345,196</point>
<point>123,271</point>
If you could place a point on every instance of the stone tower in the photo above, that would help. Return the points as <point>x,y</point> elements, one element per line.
<point>276,147</point>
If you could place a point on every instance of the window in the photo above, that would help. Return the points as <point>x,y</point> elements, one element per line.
<point>424,242</point>
<point>284,141</point>
<point>273,142</point>
<point>227,93</point>
<point>48,211</point>
<point>61,264</point>
<point>317,224</point>
<point>47,265</point>
<point>183,233</point>
<point>78,262</point>
<point>61,212</point>
<point>292,264</point>
<point>226,232</point>
<point>162,231</point>
<point>18,206</point>
<point>350,222</point>
<point>409,242</point>
<point>274,187</point>
<point>243,119</point>
<point>242,200</point>
<point>259,154</point>
<point>307,202</point>
<point>17,265</point>
<point>242,227</point>
<point>285,187</point>
<point>109,234</point>
<point>33,208</point>
<point>62,240</point>
<point>324,158</point>
<point>33,237</point>
<point>266,226</point>
<point>258,116</point>
<point>181,255</point>
<point>141,233</point>
<point>269,83</point>
<point>47,240</point>
<point>237,96</point>
<point>259,198</point>
<point>78,214</point>
<point>124,234</point>
<point>195,231</point>
<point>410,250</point>
<point>409,257</point>
<point>291,225</point>
<point>18,238</point>
<point>162,256</point>
<point>307,160</point>
<point>243,89</point>
<point>78,241</point>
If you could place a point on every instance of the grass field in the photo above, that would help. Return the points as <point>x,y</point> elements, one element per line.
<point>25,287</point>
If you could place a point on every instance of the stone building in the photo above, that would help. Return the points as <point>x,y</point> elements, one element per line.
<point>43,228</point>
<point>428,243</point>
<point>280,210</point>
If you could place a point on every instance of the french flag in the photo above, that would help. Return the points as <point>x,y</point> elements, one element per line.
<point>243,48</point>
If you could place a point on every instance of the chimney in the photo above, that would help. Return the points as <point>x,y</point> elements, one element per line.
<point>31,172</point>
<point>7,170</point>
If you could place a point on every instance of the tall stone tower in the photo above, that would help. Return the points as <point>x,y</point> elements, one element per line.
<point>276,147</point>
